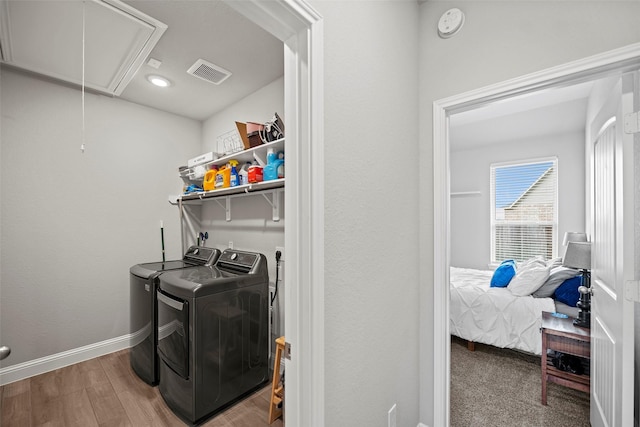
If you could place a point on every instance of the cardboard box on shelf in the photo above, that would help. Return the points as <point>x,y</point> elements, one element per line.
<point>249,139</point>
<point>254,139</point>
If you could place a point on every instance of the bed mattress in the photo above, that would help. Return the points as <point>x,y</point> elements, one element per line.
<point>494,316</point>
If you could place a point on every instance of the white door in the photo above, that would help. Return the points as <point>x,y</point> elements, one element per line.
<point>612,322</point>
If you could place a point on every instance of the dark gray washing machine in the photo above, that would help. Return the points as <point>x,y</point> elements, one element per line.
<point>213,333</point>
<point>143,315</point>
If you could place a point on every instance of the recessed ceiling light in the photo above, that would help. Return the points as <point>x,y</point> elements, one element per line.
<point>159,81</point>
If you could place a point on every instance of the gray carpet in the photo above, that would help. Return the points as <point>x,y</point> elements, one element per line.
<point>496,387</point>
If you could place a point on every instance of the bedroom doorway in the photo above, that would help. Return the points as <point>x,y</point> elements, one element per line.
<point>589,69</point>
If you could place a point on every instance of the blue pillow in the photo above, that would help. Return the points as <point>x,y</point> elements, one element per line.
<point>567,292</point>
<point>503,274</point>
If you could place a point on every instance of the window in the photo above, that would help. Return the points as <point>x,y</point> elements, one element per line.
<point>523,210</point>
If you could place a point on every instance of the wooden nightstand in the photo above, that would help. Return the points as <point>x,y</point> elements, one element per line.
<point>562,335</point>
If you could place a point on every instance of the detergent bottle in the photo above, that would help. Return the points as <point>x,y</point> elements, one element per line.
<point>269,172</point>
<point>233,174</point>
<point>271,156</point>
<point>243,175</point>
<point>275,166</point>
<point>222,177</point>
<point>280,164</point>
<point>209,182</point>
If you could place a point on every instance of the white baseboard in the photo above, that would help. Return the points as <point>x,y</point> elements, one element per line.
<point>34,367</point>
<point>422,425</point>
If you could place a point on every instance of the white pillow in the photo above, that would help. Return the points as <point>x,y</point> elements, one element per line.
<point>530,276</point>
<point>554,262</point>
<point>538,260</point>
<point>557,275</point>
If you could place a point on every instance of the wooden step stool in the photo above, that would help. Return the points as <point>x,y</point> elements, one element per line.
<point>277,389</point>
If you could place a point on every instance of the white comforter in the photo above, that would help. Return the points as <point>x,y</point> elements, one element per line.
<point>494,316</point>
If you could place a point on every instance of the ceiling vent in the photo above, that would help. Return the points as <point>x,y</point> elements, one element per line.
<point>207,71</point>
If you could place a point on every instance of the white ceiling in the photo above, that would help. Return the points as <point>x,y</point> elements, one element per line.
<point>545,112</point>
<point>196,29</point>
<point>211,30</point>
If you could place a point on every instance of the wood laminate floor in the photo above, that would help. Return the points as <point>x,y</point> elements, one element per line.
<point>106,392</point>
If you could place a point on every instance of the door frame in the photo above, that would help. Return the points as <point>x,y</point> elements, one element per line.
<point>300,28</point>
<point>590,68</point>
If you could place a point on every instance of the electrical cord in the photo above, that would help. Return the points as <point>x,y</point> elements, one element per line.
<point>275,292</point>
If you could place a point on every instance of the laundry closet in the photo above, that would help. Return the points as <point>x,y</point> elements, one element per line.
<point>248,217</point>
<point>232,311</point>
<point>104,149</point>
<point>216,323</point>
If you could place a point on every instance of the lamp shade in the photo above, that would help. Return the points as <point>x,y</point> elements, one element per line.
<point>574,236</point>
<point>578,255</point>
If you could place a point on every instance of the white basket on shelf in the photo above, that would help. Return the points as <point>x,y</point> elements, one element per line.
<point>189,177</point>
<point>230,142</point>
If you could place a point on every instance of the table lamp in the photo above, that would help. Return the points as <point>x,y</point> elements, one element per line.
<point>574,236</point>
<point>578,256</point>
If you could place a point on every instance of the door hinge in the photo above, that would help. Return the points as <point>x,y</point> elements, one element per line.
<point>632,122</point>
<point>287,350</point>
<point>632,290</point>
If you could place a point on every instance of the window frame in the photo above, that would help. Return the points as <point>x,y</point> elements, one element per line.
<point>492,202</point>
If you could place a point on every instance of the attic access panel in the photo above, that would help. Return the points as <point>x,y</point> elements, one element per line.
<point>46,37</point>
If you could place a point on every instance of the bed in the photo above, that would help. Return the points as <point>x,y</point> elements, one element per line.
<point>480,313</point>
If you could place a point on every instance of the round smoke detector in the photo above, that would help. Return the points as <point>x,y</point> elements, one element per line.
<point>450,23</point>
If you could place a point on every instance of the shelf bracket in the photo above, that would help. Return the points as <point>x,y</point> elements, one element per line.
<point>275,204</point>
<point>226,206</point>
<point>261,161</point>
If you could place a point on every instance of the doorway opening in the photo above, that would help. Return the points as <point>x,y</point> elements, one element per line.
<point>589,69</point>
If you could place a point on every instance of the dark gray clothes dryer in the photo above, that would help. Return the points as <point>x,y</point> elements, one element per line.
<point>143,307</point>
<point>213,332</point>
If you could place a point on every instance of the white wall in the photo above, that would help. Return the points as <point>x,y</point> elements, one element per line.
<point>470,215</point>
<point>72,224</point>
<point>258,107</point>
<point>371,211</point>
<point>499,41</point>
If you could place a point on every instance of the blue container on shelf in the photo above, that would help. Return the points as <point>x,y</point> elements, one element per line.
<point>274,168</point>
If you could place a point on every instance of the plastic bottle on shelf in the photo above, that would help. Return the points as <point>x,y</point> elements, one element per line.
<point>222,177</point>
<point>209,182</point>
<point>275,166</point>
<point>280,164</point>
<point>271,156</point>
<point>243,175</point>
<point>234,180</point>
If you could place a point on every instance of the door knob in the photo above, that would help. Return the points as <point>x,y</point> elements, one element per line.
<point>585,290</point>
<point>4,352</point>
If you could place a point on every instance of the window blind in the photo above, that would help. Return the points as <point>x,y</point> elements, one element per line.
<point>523,210</point>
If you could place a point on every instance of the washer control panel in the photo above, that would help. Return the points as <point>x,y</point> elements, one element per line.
<point>200,255</point>
<point>246,259</point>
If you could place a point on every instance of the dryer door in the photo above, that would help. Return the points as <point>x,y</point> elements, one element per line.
<point>173,333</point>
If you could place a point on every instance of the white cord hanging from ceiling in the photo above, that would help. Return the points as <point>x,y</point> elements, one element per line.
<point>83,50</point>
